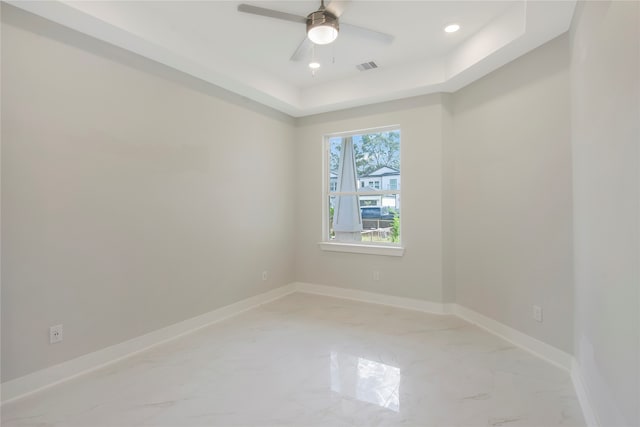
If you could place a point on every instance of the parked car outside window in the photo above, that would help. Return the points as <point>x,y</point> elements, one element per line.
<point>376,212</point>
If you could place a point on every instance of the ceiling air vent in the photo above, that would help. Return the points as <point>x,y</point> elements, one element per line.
<point>367,66</point>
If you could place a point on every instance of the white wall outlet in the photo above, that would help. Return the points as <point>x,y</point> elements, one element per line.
<point>55,334</point>
<point>376,275</point>
<point>537,313</point>
<point>265,275</point>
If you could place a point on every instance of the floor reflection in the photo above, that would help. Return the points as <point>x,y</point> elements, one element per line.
<point>366,380</point>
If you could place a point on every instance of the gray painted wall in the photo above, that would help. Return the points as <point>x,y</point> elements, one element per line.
<point>448,202</point>
<point>98,181</point>
<point>118,177</point>
<point>605,69</point>
<point>133,197</point>
<point>512,194</point>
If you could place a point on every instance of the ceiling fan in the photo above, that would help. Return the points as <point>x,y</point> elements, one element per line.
<point>323,25</point>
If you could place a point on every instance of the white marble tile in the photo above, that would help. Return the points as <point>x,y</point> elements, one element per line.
<point>315,361</point>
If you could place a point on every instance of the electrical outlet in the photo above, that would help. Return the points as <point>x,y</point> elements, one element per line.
<point>537,313</point>
<point>55,334</point>
<point>376,275</point>
<point>265,275</point>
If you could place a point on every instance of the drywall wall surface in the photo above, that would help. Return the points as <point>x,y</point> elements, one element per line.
<point>605,98</point>
<point>417,274</point>
<point>512,194</point>
<point>133,196</point>
<point>448,213</point>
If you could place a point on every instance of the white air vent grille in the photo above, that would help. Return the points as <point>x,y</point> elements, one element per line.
<point>367,66</point>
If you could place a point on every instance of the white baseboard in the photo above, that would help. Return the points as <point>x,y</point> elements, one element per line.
<point>526,342</point>
<point>48,377</point>
<point>34,382</point>
<point>375,298</point>
<point>583,397</point>
<point>540,349</point>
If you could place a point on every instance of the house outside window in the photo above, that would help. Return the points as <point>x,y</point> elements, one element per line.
<point>362,198</point>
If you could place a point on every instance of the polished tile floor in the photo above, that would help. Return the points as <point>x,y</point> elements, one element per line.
<point>308,360</point>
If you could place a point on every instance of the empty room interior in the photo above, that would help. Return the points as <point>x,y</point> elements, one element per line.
<point>306,213</point>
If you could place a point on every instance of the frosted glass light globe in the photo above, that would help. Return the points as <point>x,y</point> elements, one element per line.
<point>322,34</point>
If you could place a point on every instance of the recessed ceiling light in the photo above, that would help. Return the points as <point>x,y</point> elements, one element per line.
<point>314,65</point>
<point>451,28</point>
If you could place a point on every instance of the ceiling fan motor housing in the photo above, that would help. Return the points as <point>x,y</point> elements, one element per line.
<point>324,22</point>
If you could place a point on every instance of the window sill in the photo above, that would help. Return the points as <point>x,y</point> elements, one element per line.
<point>362,249</point>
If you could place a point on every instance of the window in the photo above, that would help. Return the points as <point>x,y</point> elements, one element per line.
<point>355,213</point>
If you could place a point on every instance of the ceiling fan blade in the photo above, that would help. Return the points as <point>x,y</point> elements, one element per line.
<point>255,10</point>
<point>365,32</point>
<point>303,50</point>
<point>337,7</point>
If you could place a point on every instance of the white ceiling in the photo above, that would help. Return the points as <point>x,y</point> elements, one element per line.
<point>250,54</point>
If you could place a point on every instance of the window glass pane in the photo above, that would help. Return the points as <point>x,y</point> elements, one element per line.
<point>369,165</point>
<point>377,157</point>
<point>381,223</point>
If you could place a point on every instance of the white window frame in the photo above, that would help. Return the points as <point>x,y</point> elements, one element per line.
<point>371,248</point>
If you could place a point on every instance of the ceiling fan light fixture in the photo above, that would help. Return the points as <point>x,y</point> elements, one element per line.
<point>322,27</point>
<point>314,65</point>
